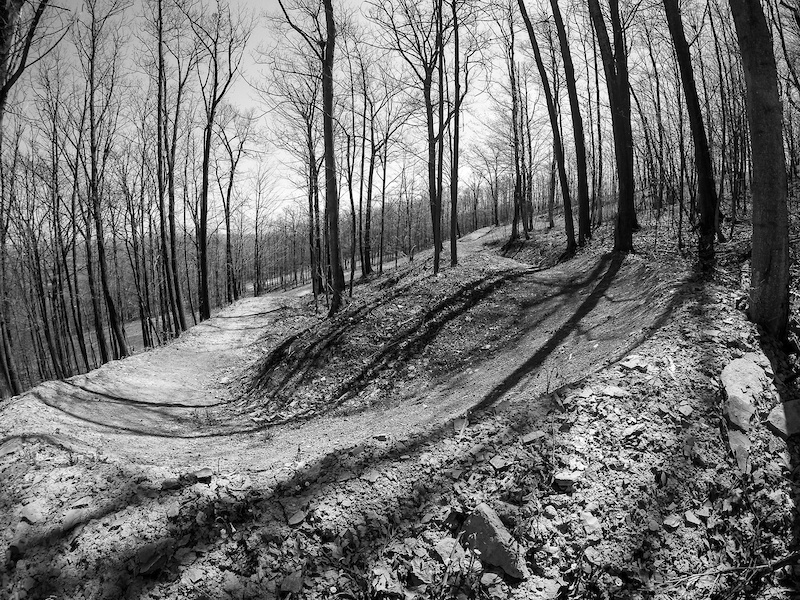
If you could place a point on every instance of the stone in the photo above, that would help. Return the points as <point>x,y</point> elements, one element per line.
<point>372,475</point>
<point>784,419</point>
<point>73,517</point>
<point>566,480</point>
<point>532,437</point>
<point>10,447</point>
<point>449,551</point>
<point>615,391</point>
<point>485,532</point>
<point>672,522</point>
<point>743,381</point>
<point>634,362</point>
<point>151,558</point>
<point>499,463</point>
<point>171,483</point>
<point>204,475</point>
<point>633,430</point>
<point>33,512</point>
<point>194,575</point>
<point>591,524</point>
<point>231,583</point>
<point>20,541</point>
<point>173,510</point>
<point>491,580</point>
<point>740,446</point>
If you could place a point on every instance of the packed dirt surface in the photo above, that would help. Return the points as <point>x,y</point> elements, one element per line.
<point>271,452</point>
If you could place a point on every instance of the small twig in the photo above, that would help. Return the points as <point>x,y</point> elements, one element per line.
<point>769,568</point>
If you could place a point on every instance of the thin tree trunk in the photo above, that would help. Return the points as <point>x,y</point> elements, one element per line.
<point>702,156</point>
<point>331,190</point>
<point>557,145</point>
<point>584,225</point>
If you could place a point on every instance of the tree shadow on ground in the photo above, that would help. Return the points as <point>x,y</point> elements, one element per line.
<point>524,297</point>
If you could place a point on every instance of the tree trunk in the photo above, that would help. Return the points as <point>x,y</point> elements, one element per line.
<point>331,190</point>
<point>702,156</point>
<point>615,64</point>
<point>584,225</point>
<point>456,137</point>
<point>769,286</point>
<point>557,145</point>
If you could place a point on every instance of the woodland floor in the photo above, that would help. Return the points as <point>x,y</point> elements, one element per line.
<point>345,454</point>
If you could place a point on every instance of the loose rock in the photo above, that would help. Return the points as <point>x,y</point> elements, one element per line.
<point>784,419</point>
<point>740,446</point>
<point>484,532</point>
<point>566,480</point>
<point>743,381</point>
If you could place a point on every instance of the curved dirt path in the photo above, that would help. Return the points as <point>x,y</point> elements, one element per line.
<point>168,407</point>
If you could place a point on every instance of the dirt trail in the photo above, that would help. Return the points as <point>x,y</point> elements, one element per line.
<point>167,407</point>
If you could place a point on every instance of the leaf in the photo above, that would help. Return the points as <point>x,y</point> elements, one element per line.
<point>692,518</point>
<point>292,583</point>
<point>298,517</point>
<point>385,582</point>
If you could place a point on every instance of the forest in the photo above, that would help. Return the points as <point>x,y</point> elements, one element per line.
<point>129,213</point>
<point>399,299</point>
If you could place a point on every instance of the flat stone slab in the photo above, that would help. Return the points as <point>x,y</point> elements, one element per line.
<point>784,419</point>
<point>743,381</point>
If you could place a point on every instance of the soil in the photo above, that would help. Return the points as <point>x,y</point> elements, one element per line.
<point>271,452</point>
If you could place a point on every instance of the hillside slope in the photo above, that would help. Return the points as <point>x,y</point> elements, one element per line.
<point>272,453</point>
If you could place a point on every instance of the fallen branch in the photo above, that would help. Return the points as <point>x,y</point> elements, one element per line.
<point>771,567</point>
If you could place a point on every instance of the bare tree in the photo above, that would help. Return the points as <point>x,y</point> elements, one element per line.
<point>615,65</point>
<point>26,35</point>
<point>706,189</point>
<point>323,46</point>
<point>584,225</point>
<point>769,280</point>
<point>99,44</point>
<point>234,134</point>
<point>417,32</point>
<point>554,124</point>
<point>223,37</point>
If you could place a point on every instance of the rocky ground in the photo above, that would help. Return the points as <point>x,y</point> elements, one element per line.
<point>607,427</point>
